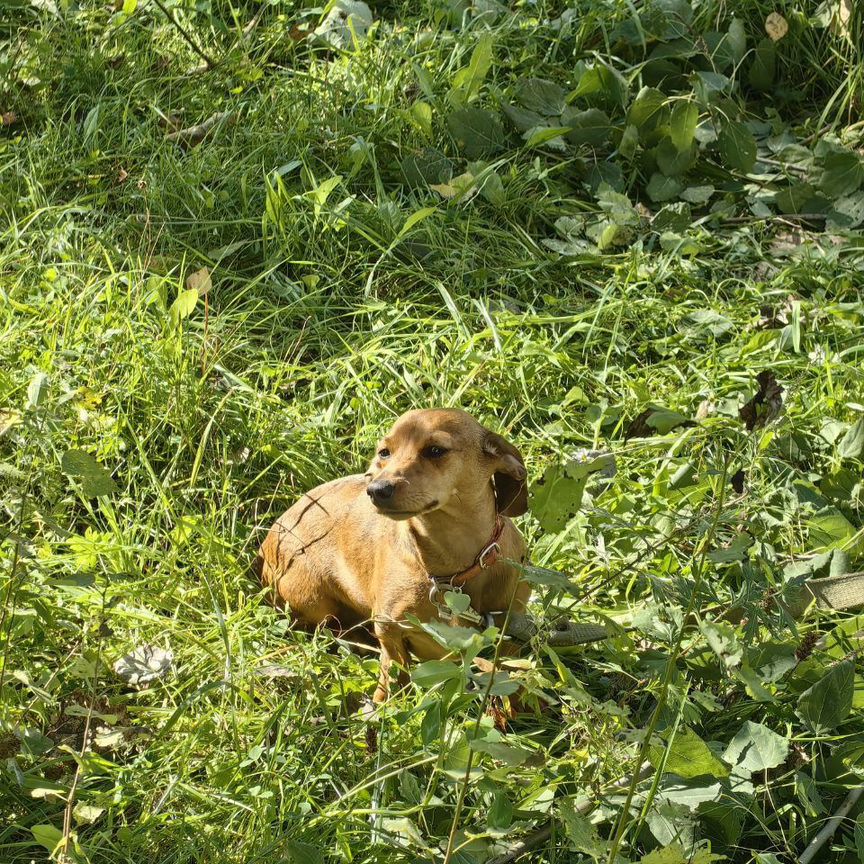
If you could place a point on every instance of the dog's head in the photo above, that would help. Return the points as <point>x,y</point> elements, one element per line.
<point>434,458</point>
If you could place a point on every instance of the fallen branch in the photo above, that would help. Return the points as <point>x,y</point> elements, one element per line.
<point>192,135</point>
<point>831,826</point>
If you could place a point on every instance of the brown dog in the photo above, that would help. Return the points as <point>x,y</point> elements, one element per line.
<point>429,514</point>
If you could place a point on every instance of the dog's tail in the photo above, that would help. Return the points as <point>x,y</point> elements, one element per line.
<point>256,569</point>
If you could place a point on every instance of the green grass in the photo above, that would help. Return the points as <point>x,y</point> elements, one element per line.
<point>329,315</point>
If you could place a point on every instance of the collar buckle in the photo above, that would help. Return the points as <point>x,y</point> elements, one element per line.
<point>493,550</point>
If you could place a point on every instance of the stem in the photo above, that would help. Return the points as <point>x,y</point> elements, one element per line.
<point>671,666</point>
<point>463,789</point>
<point>187,38</point>
<point>12,591</point>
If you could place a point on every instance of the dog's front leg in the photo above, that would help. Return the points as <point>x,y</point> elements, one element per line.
<point>393,650</point>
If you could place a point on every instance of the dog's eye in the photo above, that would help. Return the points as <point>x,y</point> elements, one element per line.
<point>434,452</point>
<point>383,453</point>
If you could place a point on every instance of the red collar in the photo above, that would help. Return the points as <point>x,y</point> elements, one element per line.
<point>485,559</point>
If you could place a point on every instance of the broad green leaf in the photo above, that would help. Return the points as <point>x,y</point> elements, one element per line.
<point>734,551</point>
<point>647,110</point>
<point>39,787</point>
<point>421,116</point>
<point>828,702</point>
<point>830,529</point>
<point>846,637</point>
<point>842,173</point>
<point>454,638</point>
<point>756,748</point>
<point>430,725</point>
<point>673,217</point>
<point>762,66</point>
<point>147,663</point>
<point>461,188</point>
<point>557,496</point>
<point>848,211</point>
<point>434,672</point>
<point>662,622</point>
<point>541,96</point>
<point>672,854</point>
<point>661,188</point>
<point>457,601</point>
<point>753,684</point>
<point>670,160</point>
<point>723,819</point>
<point>723,641</point>
<point>507,753</point>
<point>688,757</point>
<point>599,84</point>
<point>670,822</point>
<point>581,832</point>
<point>36,390</point>
<point>591,127</point>
<point>427,167</point>
<point>737,40</point>
<point>477,132</point>
<point>500,815</point>
<point>129,6</point>
<point>796,198</point>
<point>322,191</point>
<point>682,124</point>
<point>772,660</point>
<point>544,577</point>
<point>737,146</point>
<point>405,830</point>
<point>689,795</point>
<point>707,320</point>
<point>94,479</point>
<point>86,814</point>
<point>47,836</point>
<point>540,135</point>
<point>523,119</point>
<point>697,194</point>
<point>851,445</point>
<point>678,244</point>
<point>663,421</point>
<point>302,853</point>
<point>629,142</point>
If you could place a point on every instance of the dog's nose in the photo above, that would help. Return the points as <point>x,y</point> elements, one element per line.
<point>380,490</point>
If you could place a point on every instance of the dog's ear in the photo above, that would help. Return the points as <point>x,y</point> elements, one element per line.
<point>510,476</point>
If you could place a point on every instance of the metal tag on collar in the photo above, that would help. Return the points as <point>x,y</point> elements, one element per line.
<point>481,558</point>
<point>436,597</point>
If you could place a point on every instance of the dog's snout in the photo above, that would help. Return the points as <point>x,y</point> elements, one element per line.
<point>380,490</point>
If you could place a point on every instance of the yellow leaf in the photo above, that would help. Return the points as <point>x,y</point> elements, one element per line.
<point>459,188</point>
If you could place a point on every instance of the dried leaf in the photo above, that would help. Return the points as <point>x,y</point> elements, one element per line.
<point>765,404</point>
<point>200,281</point>
<point>145,664</point>
<point>776,26</point>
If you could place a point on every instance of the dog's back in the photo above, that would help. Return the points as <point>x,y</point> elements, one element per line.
<point>300,560</point>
